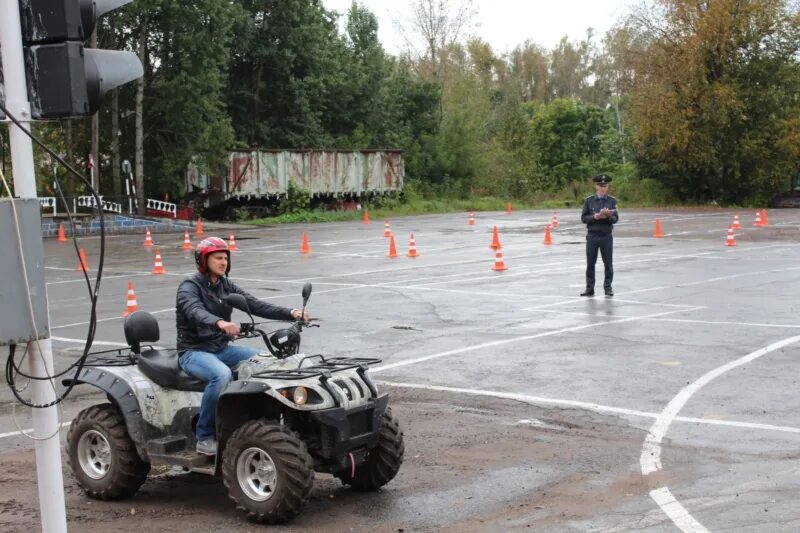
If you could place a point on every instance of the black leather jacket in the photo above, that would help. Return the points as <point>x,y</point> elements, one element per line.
<point>199,306</point>
<point>593,204</point>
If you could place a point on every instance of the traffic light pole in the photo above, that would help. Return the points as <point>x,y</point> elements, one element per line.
<point>40,363</point>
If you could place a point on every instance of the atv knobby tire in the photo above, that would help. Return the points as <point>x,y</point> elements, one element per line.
<point>268,471</point>
<point>382,462</point>
<point>102,455</point>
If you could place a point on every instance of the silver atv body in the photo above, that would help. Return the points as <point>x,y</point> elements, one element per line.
<point>280,420</point>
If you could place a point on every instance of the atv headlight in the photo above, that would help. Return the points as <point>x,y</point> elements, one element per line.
<point>300,395</point>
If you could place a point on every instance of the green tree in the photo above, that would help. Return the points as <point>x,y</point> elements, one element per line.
<point>715,102</point>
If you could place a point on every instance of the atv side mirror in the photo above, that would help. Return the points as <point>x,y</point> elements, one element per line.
<point>237,301</point>
<point>306,292</point>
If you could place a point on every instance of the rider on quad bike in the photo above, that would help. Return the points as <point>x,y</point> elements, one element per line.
<point>205,330</point>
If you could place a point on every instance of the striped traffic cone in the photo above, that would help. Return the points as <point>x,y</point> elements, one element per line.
<point>499,264</point>
<point>132,304</point>
<point>232,243</point>
<point>730,240</point>
<point>387,231</point>
<point>555,219</point>
<point>759,222</point>
<point>471,218</point>
<point>736,224</point>
<point>412,247</point>
<point>158,268</point>
<point>187,243</point>
<point>148,239</point>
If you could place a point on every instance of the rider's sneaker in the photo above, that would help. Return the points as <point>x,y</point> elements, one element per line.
<point>207,446</point>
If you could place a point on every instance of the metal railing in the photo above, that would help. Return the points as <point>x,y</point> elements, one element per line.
<point>164,207</point>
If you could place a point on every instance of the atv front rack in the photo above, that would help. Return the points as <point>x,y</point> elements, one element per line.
<point>325,370</point>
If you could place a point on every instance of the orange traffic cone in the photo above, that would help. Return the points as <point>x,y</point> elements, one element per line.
<point>547,238</point>
<point>658,232</point>
<point>199,228</point>
<point>764,218</point>
<point>508,208</point>
<point>387,231</point>
<point>730,240</point>
<point>555,219</point>
<point>471,218</point>
<point>187,243</point>
<point>158,268</point>
<point>148,239</point>
<point>83,265</point>
<point>61,236</point>
<point>132,305</point>
<point>759,222</point>
<point>495,240</point>
<point>499,265</point>
<point>366,217</point>
<point>232,243</point>
<point>412,247</point>
<point>392,248</point>
<point>736,224</point>
<point>304,248</point>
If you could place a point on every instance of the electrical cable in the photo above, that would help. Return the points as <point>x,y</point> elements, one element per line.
<point>11,366</point>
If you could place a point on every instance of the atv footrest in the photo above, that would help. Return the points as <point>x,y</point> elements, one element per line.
<point>188,459</point>
<point>166,445</point>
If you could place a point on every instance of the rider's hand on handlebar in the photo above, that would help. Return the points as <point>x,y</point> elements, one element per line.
<point>297,314</point>
<point>228,327</point>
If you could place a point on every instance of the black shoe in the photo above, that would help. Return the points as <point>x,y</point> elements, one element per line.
<point>588,292</point>
<point>609,292</point>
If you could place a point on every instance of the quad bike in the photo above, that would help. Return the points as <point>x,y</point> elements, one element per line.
<point>284,416</point>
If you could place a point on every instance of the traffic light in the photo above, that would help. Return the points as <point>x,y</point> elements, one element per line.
<point>64,78</point>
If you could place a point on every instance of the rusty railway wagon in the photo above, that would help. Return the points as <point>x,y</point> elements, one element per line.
<point>256,180</point>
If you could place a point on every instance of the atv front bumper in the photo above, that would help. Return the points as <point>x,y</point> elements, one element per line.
<point>353,430</point>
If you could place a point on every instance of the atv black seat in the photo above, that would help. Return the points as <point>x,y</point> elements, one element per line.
<point>162,367</point>
<point>159,365</point>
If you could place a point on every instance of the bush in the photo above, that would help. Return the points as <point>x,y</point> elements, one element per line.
<point>296,201</point>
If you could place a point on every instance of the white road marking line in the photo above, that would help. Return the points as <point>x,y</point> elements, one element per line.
<point>650,458</point>
<point>589,406</point>
<point>83,341</point>
<point>520,339</point>
<point>651,450</point>
<point>26,431</point>
<point>676,512</point>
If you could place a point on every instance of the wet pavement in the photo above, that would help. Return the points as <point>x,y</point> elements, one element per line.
<point>692,365</point>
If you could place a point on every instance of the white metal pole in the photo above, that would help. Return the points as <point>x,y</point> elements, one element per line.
<point>45,421</point>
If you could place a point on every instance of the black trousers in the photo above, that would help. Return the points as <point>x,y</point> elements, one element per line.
<point>605,243</point>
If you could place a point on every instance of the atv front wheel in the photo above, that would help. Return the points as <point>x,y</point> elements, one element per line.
<point>102,455</point>
<point>268,471</point>
<point>382,462</point>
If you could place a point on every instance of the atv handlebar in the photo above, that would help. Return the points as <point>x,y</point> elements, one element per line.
<point>282,342</point>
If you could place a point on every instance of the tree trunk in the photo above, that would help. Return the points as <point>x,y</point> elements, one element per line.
<point>115,178</point>
<point>95,133</point>
<point>69,184</point>
<point>139,121</point>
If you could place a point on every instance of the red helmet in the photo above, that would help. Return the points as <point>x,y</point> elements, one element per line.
<point>209,246</point>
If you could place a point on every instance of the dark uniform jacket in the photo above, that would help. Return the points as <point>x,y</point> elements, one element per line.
<point>593,204</point>
<point>199,306</point>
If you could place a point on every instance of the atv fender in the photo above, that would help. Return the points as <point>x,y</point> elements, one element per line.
<point>243,401</point>
<point>120,392</point>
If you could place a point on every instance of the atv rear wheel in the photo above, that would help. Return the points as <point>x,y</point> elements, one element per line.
<point>102,455</point>
<point>382,462</point>
<point>268,471</point>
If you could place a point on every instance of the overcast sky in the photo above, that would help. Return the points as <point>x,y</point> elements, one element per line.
<point>506,23</point>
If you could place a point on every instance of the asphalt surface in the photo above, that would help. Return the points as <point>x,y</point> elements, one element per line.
<point>693,364</point>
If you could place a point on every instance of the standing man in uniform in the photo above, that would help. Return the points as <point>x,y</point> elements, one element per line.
<point>600,214</point>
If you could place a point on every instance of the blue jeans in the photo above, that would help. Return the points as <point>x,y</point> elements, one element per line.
<point>214,369</point>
